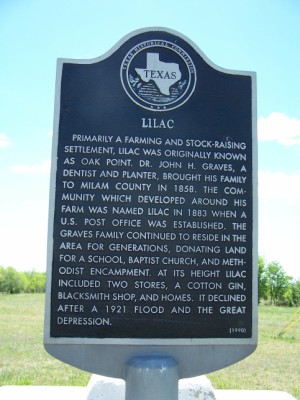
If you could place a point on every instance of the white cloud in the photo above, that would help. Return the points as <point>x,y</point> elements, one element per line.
<point>4,140</point>
<point>280,128</point>
<point>279,219</point>
<point>32,169</point>
<point>279,186</point>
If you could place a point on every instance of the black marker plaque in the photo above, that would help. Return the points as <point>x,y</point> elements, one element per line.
<point>153,214</point>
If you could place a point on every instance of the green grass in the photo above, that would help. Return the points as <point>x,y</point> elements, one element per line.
<point>275,365</point>
<point>23,359</point>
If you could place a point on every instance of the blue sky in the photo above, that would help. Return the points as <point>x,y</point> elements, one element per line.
<point>250,35</point>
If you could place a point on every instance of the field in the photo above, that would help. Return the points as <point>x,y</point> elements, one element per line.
<point>275,365</point>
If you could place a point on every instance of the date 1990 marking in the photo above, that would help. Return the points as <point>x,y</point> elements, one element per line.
<point>237,330</point>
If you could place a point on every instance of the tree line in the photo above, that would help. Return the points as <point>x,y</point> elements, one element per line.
<point>13,281</point>
<point>274,285</point>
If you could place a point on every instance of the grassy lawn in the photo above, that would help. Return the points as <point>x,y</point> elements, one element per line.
<point>275,365</point>
<point>23,359</point>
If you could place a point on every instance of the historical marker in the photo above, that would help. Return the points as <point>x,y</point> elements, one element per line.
<point>152,228</point>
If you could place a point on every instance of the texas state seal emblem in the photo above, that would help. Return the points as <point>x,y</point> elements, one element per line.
<point>158,75</point>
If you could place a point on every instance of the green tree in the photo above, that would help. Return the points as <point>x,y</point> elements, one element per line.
<point>12,281</point>
<point>277,282</point>
<point>2,279</point>
<point>262,280</point>
<point>36,281</point>
<point>24,280</point>
<point>295,286</point>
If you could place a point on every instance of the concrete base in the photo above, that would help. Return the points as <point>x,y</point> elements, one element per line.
<point>43,393</point>
<point>252,394</point>
<point>102,388</point>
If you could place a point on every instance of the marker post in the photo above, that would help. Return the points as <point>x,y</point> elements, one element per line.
<point>152,378</point>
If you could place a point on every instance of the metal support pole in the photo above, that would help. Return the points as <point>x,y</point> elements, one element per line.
<point>152,378</point>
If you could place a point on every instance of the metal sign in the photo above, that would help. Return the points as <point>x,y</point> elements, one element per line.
<point>152,227</point>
